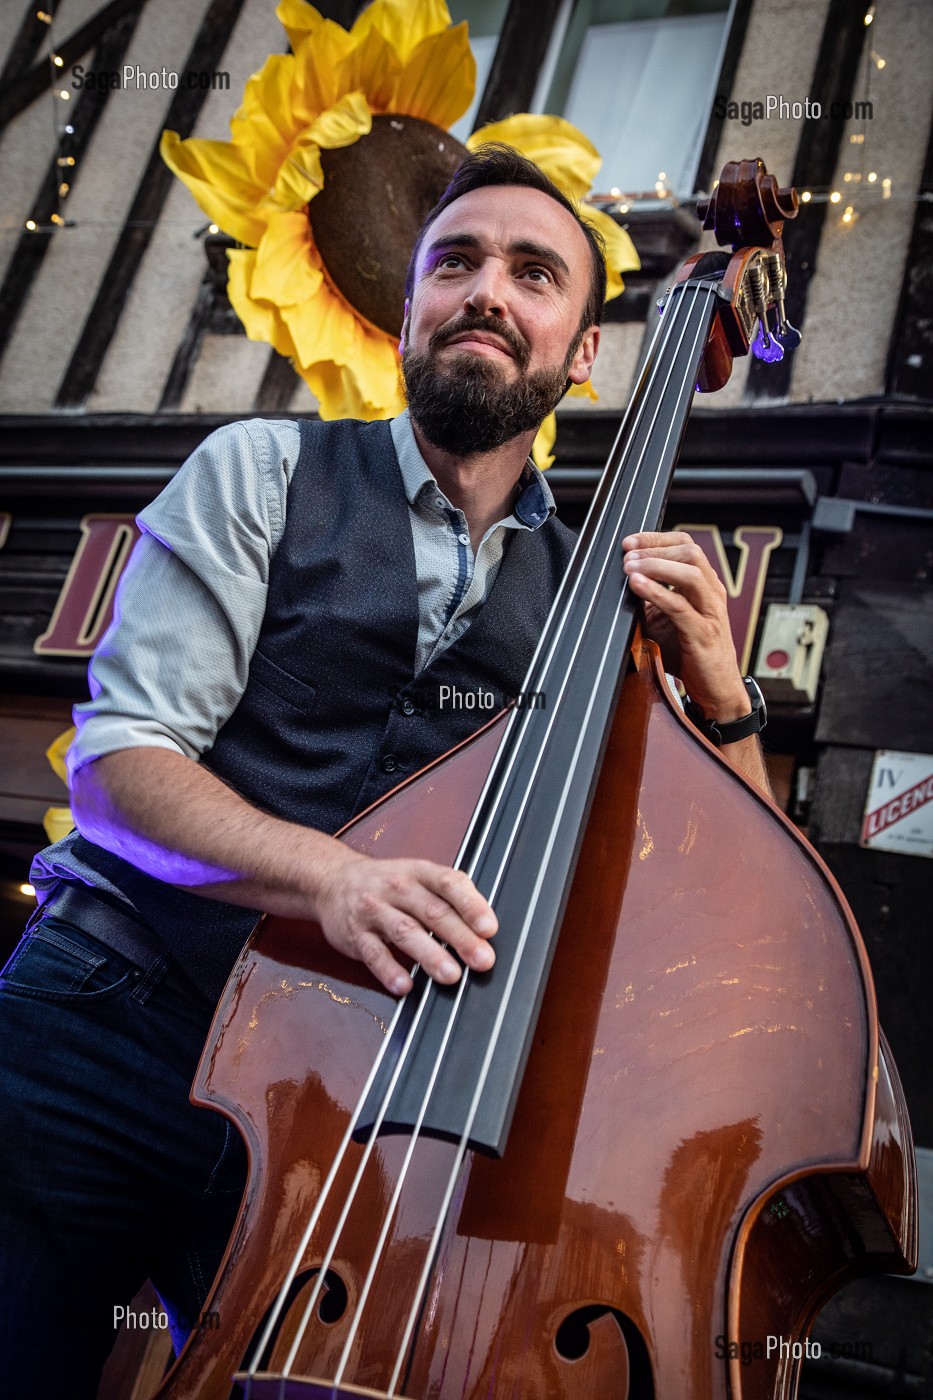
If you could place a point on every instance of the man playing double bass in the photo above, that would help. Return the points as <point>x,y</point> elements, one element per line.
<point>300,598</point>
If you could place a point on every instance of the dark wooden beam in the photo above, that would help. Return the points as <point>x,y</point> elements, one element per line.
<point>706,174</point>
<point>834,79</point>
<point>31,248</point>
<point>910,357</point>
<point>523,43</point>
<point>27,42</point>
<point>151,194</point>
<point>278,385</point>
<point>38,79</point>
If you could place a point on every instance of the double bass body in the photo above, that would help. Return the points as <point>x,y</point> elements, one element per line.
<point>709,1137</point>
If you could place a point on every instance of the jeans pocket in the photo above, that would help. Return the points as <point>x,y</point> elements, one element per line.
<point>55,961</point>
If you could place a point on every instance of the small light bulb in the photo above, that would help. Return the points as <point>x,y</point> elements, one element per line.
<point>27,889</point>
<point>835,197</point>
<point>45,18</point>
<point>31,225</point>
<point>872,177</point>
<point>847,176</point>
<point>212,228</point>
<point>870,14</point>
<point>63,189</point>
<point>64,95</point>
<point>661,175</point>
<point>847,216</point>
<point>57,219</point>
<point>806,197</point>
<point>70,131</point>
<point>57,60</point>
<point>879,62</point>
<point>615,192</point>
<point>624,208</point>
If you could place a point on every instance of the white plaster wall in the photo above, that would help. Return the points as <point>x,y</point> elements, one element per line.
<point>160,301</point>
<point>226,375</point>
<point>855,291</point>
<point>63,294</point>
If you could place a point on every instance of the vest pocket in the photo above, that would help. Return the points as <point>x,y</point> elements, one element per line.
<point>287,687</point>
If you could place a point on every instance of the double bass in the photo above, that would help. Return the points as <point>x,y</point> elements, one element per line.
<point>644,1148</point>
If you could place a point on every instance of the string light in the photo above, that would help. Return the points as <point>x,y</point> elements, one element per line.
<point>64,94</point>
<point>63,189</point>
<point>58,60</point>
<point>213,228</point>
<point>849,215</point>
<point>806,197</point>
<point>45,18</point>
<point>27,889</point>
<point>870,14</point>
<point>31,225</point>
<point>835,197</point>
<point>872,177</point>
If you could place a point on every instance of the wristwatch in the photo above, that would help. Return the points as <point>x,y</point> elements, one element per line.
<point>734,729</point>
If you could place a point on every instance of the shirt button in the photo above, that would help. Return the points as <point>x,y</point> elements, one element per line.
<point>464,539</point>
<point>390,763</point>
<point>407,707</point>
<point>439,501</point>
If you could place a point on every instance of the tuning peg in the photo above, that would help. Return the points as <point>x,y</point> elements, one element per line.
<point>788,335</point>
<point>767,347</point>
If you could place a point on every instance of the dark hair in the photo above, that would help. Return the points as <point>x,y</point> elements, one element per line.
<point>498,164</point>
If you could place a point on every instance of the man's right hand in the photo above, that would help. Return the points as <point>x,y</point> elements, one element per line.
<point>373,910</point>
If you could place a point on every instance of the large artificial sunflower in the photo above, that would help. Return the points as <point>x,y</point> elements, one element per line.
<point>339,151</point>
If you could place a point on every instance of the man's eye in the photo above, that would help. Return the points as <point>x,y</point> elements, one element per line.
<point>538,274</point>
<point>450,260</point>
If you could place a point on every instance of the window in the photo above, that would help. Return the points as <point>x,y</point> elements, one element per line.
<point>639,77</point>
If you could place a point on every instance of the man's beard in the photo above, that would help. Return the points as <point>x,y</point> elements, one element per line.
<point>468,404</point>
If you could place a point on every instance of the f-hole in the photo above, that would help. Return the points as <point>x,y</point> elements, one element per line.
<point>572,1342</point>
<point>331,1307</point>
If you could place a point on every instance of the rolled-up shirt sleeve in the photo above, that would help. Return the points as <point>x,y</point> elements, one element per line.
<point>173,664</point>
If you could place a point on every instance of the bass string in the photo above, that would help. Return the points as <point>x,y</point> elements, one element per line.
<point>667,327</point>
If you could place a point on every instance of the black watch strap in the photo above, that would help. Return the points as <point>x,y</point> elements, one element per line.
<point>731,731</point>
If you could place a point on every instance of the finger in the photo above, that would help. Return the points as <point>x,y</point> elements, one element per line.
<point>687,579</point>
<point>448,903</point>
<point>375,953</point>
<point>658,539</point>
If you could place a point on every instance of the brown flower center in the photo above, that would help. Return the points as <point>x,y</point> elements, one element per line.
<point>375,197</point>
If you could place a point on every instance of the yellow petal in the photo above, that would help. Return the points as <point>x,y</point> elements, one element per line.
<point>620,250</point>
<point>583,391</point>
<point>559,148</point>
<point>261,319</point>
<point>56,751</point>
<point>321,329</point>
<point>320,47</point>
<point>374,67</point>
<point>57,822</point>
<point>543,443</point>
<point>342,124</point>
<point>341,394</point>
<point>439,78</point>
<point>299,20</point>
<point>220,180</point>
<point>403,22</point>
<point>270,117</point>
<point>299,179</point>
<point>284,272</point>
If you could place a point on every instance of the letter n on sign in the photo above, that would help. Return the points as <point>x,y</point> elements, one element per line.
<point>85,605</point>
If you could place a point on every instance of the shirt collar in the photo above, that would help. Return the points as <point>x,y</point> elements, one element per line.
<point>534,502</point>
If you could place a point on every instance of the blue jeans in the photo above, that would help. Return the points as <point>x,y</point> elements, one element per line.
<point>108,1175</point>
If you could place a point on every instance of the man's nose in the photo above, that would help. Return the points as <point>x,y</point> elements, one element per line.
<point>488,293</point>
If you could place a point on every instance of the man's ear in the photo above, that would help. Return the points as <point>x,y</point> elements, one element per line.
<point>401,343</point>
<point>582,363</point>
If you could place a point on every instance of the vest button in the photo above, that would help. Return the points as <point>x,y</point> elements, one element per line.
<point>407,707</point>
<point>390,763</point>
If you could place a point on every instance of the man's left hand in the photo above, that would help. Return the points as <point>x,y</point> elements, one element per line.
<point>686,614</point>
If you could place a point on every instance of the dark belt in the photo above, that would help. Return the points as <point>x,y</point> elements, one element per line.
<point>100,917</point>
